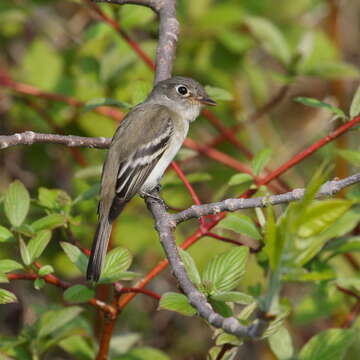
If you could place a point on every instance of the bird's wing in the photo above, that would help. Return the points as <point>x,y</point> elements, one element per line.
<point>134,154</point>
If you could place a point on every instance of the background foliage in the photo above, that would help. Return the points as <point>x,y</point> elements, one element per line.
<point>251,53</point>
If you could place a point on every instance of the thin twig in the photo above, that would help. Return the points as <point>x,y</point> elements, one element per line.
<point>126,290</point>
<point>235,242</point>
<point>53,280</point>
<point>328,189</point>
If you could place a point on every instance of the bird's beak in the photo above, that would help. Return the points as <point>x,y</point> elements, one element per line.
<point>206,101</point>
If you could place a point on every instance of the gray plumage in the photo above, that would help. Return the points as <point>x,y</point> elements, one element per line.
<point>142,148</point>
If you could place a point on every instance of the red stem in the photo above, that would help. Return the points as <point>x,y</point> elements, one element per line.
<point>150,293</point>
<point>351,316</point>
<point>115,25</point>
<point>6,81</point>
<point>310,150</point>
<point>53,280</point>
<point>227,133</point>
<point>235,242</point>
<point>186,182</point>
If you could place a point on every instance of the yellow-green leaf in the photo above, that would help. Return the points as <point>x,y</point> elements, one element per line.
<point>16,203</point>
<point>322,214</point>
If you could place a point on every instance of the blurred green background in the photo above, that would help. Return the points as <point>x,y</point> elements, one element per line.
<point>258,51</point>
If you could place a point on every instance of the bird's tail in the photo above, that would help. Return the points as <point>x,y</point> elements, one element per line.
<point>101,239</point>
<point>99,247</point>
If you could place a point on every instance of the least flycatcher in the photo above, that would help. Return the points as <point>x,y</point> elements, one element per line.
<point>143,146</point>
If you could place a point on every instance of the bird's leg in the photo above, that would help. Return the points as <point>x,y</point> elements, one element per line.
<point>155,196</point>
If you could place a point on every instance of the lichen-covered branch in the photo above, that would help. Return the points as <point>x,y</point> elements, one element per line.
<point>195,211</point>
<point>165,227</point>
<point>30,138</point>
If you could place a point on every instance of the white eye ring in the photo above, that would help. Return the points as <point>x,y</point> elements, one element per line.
<point>182,90</point>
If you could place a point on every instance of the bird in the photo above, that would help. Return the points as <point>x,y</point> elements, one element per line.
<point>143,146</point>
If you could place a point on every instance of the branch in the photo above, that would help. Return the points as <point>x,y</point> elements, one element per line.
<point>165,227</point>
<point>168,33</point>
<point>195,211</point>
<point>30,138</point>
<point>53,280</point>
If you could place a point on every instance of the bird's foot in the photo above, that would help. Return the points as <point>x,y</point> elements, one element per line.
<point>156,197</point>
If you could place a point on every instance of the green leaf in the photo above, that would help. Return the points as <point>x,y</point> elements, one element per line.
<point>218,93</point>
<point>271,38</point>
<point>16,203</point>
<point>334,70</point>
<point>220,307</point>
<point>233,296</point>
<point>224,271</point>
<point>3,278</point>
<point>176,302</point>
<point>276,324</point>
<point>352,156</point>
<point>45,270</point>
<point>77,346</point>
<point>122,343</point>
<point>311,246</point>
<point>220,16</point>
<point>117,261</point>
<point>49,222</point>
<point>260,160</point>
<point>233,42</point>
<point>7,297</point>
<point>349,283</point>
<point>42,66</point>
<point>76,256</point>
<point>91,193</point>
<point>94,103</point>
<point>241,224</point>
<point>78,294</point>
<point>344,245</point>
<point>24,252</point>
<point>274,242</point>
<point>238,179</point>
<point>144,353</point>
<point>321,214</point>
<point>225,338</point>
<point>190,267</point>
<point>39,284</point>
<point>281,344</point>
<point>320,104</point>
<point>53,198</point>
<point>55,319</point>
<point>8,265</point>
<point>6,235</point>
<point>328,345</point>
<point>37,244</point>
<point>301,274</point>
<point>124,275</point>
<point>355,104</point>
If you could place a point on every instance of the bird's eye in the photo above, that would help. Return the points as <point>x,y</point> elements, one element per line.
<point>182,90</point>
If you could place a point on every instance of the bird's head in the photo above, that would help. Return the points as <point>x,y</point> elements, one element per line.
<point>183,95</point>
